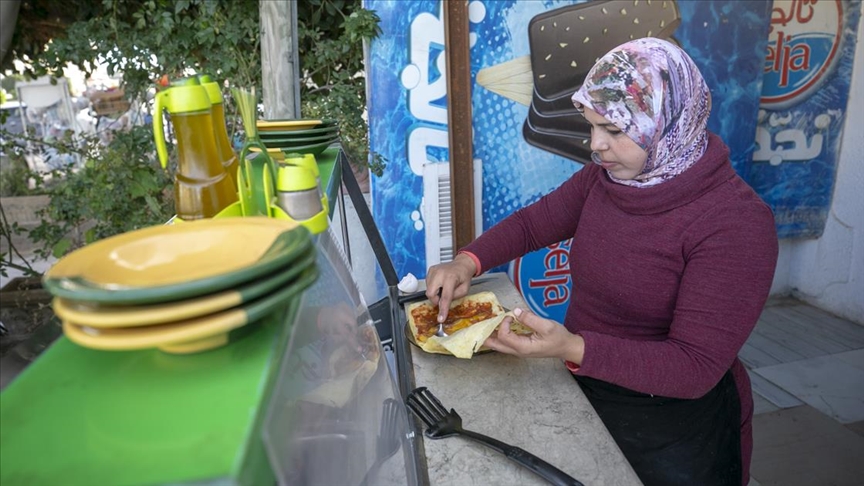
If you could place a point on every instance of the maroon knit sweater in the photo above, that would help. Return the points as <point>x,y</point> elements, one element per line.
<point>668,281</point>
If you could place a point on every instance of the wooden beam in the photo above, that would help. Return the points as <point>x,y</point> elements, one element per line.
<point>459,120</point>
<point>280,73</point>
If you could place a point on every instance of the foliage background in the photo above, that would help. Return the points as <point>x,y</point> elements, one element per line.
<point>142,40</point>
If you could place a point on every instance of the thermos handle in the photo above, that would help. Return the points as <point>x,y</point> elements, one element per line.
<point>158,133</point>
<point>254,143</point>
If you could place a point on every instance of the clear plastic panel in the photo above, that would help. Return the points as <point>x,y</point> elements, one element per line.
<point>367,272</point>
<point>335,417</point>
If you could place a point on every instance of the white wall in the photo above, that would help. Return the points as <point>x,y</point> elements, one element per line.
<point>828,272</point>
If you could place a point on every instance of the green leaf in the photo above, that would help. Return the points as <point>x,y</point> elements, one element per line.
<point>61,247</point>
<point>152,204</point>
<point>180,6</point>
<point>137,190</point>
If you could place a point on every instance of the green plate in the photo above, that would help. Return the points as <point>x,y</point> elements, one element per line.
<point>291,147</point>
<point>314,149</point>
<point>172,262</point>
<point>276,142</point>
<point>190,335</point>
<point>281,134</point>
<point>113,316</point>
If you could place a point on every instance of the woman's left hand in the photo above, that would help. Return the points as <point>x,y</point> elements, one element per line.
<point>549,340</point>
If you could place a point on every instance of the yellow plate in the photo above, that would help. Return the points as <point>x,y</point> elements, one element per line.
<point>106,317</point>
<point>172,262</point>
<point>274,153</point>
<point>190,335</point>
<point>188,331</point>
<point>270,151</point>
<point>265,125</point>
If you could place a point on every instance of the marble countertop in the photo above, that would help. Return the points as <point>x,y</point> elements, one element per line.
<point>531,403</point>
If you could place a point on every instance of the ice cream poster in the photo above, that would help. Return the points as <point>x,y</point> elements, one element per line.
<point>807,71</point>
<point>527,57</point>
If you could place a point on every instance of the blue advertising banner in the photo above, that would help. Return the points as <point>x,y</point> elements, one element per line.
<point>807,71</point>
<point>522,145</point>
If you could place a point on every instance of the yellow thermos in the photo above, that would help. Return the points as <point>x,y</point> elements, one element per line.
<point>298,195</point>
<point>220,130</point>
<point>308,161</point>
<point>202,188</point>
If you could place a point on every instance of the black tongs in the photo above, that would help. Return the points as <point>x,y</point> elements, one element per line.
<point>442,424</point>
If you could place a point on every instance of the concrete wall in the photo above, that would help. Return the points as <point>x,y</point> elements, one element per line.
<point>22,210</point>
<point>828,272</point>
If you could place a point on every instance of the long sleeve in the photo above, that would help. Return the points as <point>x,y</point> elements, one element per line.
<point>551,219</point>
<point>730,257</point>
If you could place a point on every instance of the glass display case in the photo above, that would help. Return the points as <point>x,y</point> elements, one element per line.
<point>336,414</point>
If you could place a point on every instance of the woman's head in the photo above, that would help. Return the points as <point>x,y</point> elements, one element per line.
<point>652,92</point>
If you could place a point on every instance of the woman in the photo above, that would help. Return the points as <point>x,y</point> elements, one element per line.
<point>671,263</point>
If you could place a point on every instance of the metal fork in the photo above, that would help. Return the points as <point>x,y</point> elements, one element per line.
<point>442,424</point>
<point>440,332</point>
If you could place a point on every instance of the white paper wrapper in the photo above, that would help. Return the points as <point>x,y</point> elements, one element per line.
<point>408,284</point>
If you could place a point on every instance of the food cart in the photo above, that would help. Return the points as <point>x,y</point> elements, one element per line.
<point>311,395</point>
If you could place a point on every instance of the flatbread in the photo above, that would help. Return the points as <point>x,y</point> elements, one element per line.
<point>350,366</point>
<point>471,309</point>
<point>466,342</point>
<point>470,321</point>
<point>363,348</point>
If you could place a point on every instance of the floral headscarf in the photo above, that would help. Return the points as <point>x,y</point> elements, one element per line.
<point>651,90</point>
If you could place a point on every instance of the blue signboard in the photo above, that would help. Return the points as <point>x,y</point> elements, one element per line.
<point>807,71</point>
<point>408,115</point>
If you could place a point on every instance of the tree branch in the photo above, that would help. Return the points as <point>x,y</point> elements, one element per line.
<point>6,230</point>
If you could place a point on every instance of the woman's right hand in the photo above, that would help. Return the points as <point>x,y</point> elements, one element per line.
<point>453,279</point>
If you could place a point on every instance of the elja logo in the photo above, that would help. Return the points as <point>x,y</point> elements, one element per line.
<point>543,279</point>
<point>803,49</point>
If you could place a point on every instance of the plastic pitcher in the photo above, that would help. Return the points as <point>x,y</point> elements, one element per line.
<point>226,153</point>
<point>202,188</point>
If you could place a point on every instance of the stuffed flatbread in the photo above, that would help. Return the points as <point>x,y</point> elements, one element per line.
<point>470,321</point>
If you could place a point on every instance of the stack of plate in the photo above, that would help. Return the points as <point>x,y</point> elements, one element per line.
<point>181,288</point>
<point>298,136</point>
